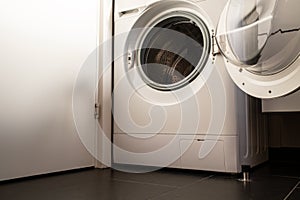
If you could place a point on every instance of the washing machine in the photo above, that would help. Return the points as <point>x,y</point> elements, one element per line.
<point>183,70</point>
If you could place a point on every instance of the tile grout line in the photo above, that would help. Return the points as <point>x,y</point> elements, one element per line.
<point>290,193</point>
<point>197,181</point>
<point>291,177</point>
<point>144,183</point>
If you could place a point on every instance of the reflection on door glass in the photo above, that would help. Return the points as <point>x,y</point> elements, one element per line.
<point>260,35</point>
<point>169,59</point>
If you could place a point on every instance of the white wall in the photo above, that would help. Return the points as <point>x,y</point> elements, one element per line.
<point>42,47</point>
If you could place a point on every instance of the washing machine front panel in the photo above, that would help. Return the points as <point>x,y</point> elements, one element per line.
<point>135,5</point>
<point>260,41</point>
<point>196,89</point>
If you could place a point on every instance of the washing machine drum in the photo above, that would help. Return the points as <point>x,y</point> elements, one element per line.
<point>167,61</point>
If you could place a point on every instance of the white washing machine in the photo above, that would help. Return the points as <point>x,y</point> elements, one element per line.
<point>175,104</point>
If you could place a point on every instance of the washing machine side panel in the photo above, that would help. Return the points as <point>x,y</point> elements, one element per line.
<point>254,142</point>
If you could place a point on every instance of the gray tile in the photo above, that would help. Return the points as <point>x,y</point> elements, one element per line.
<point>159,185</point>
<point>166,177</point>
<point>284,169</point>
<point>87,185</point>
<point>295,195</point>
<point>229,188</point>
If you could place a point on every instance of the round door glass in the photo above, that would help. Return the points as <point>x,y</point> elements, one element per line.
<point>174,52</point>
<point>261,36</point>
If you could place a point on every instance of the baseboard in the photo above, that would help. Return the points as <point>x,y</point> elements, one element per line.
<point>46,175</point>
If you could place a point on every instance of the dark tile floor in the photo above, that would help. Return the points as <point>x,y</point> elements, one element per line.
<point>274,180</point>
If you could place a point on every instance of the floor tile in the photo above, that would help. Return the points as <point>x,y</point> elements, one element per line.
<point>218,187</point>
<point>284,169</point>
<point>166,177</point>
<point>269,181</point>
<point>88,185</point>
<point>295,195</point>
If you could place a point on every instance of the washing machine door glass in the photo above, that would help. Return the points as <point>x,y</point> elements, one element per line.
<point>174,51</point>
<point>262,38</point>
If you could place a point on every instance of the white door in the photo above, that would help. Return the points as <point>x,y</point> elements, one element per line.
<point>43,46</point>
<point>260,40</point>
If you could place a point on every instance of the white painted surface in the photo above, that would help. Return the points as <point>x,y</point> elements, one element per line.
<point>104,84</point>
<point>43,45</point>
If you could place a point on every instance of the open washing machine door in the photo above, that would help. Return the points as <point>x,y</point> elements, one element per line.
<point>260,41</point>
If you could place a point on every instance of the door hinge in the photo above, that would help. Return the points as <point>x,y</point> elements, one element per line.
<point>215,48</point>
<point>97,111</point>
